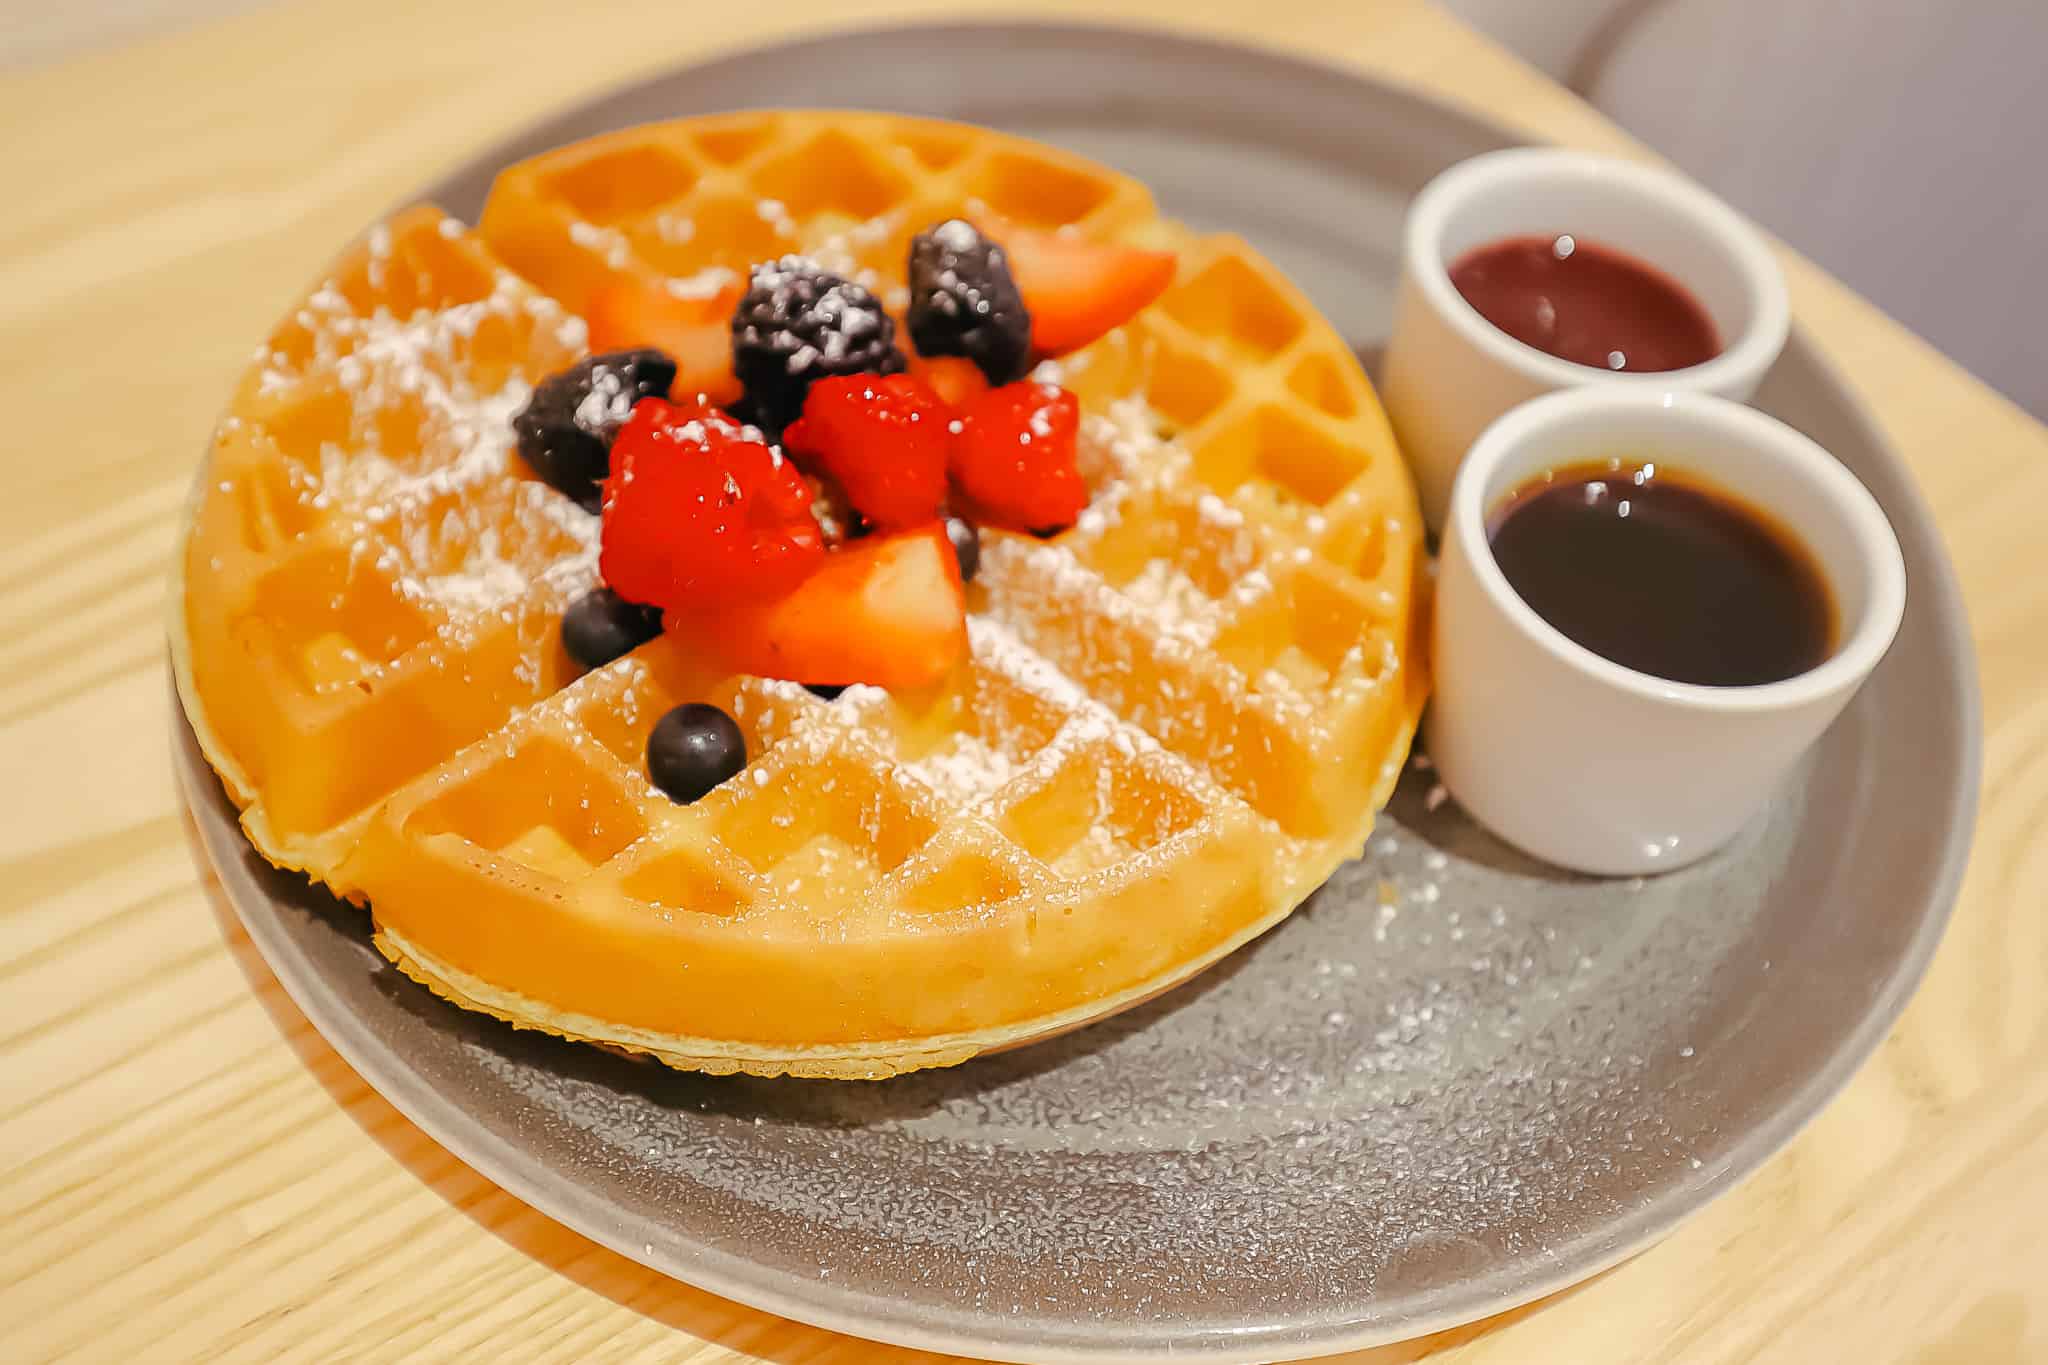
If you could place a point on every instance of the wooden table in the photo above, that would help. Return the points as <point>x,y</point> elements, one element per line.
<point>188,1172</point>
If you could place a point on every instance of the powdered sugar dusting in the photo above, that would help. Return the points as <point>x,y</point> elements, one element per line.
<point>1122,444</point>
<point>996,643</point>
<point>964,772</point>
<point>607,242</point>
<point>486,579</point>
<point>842,252</point>
<point>460,532</point>
<point>956,234</point>
<point>1175,604</point>
<point>1192,595</point>
<point>707,283</point>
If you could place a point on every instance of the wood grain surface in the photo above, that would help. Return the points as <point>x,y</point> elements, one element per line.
<point>188,1173</point>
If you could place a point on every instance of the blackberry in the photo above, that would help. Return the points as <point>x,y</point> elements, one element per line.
<point>798,324</point>
<point>565,430</point>
<point>964,301</point>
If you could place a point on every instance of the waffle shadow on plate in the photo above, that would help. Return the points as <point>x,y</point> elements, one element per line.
<point>329,927</point>
<point>1414,814</point>
<point>813,1103</point>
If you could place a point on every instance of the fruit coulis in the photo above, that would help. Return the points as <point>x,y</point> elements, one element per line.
<point>1664,574</point>
<point>1586,303</point>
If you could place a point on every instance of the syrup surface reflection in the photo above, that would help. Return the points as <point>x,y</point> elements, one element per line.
<point>1664,574</point>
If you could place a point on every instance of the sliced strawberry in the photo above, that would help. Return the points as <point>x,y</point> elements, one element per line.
<point>955,379</point>
<point>696,332</point>
<point>883,439</point>
<point>697,508</point>
<point>886,610</point>
<point>1014,458</point>
<point>1076,289</point>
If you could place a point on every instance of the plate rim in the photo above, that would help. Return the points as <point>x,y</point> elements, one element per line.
<point>876,1318</point>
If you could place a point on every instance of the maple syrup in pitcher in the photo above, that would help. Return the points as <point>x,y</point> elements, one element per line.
<point>1664,574</point>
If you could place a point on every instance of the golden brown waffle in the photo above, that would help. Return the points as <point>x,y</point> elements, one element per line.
<point>370,582</point>
<point>1176,719</point>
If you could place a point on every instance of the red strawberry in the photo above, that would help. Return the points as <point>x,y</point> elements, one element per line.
<point>696,333</point>
<point>698,507</point>
<point>1075,289</point>
<point>886,610</point>
<point>884,440</point>
<point>1014,457</point>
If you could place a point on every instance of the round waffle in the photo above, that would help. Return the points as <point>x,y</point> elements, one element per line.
<point>1173,722</point>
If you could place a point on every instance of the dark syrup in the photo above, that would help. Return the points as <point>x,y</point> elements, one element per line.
<point>1586,303</point>
<point>1664,574</point>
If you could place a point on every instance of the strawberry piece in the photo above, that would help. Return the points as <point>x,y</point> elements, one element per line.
<point>887,610</point>
<point>1075,289</point>
<point>696,333</point>
<point>1014,458</point>
<point>883,439</point>
<point>955,379</point>
<point>698,507</point>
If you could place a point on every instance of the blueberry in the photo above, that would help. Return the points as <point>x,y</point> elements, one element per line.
<point>964,301</point>
<point>601,625</point>
<point>797,324</point>
<point>565,430</point>
<point>966,546</point>
<point>694,748</point>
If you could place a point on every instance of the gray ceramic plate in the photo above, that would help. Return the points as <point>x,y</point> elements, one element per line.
<point>1454,1081</point>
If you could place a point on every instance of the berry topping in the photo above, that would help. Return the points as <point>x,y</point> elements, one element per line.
<point>966,546</point>
<point>798,324</point>
<point>565,430</point>
<point>601,625</point>
<point>1014,458</point>
<point>699,507</point>
<point>692,749</point>
<point>836,515</point>
<point>626,312</point>
<point>883,439</point>
<point>953,379</point>
<point>1077,289</point>
<point>964,302</point>
<point>886,610</point>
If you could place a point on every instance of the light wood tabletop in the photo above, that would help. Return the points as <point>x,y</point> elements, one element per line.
<point>188,1172</point>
